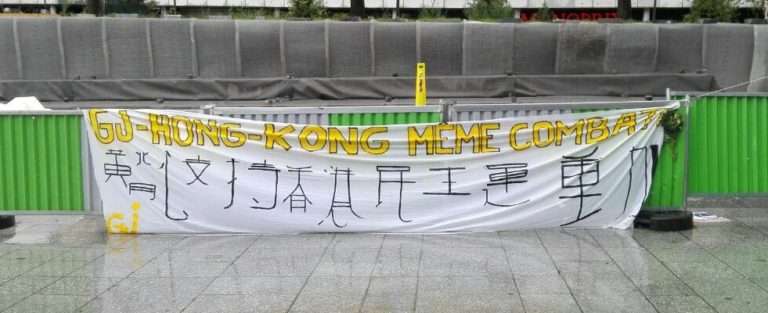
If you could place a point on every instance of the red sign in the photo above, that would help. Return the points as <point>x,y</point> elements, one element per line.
<point>571,15</point>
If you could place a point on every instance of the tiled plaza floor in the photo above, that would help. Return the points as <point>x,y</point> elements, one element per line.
<point>68,264</point>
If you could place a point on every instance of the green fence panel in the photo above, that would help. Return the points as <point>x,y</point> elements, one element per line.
<point>729,146</point>
<point>40,163</point>
<point>388,118</point>
<point>668,187</point>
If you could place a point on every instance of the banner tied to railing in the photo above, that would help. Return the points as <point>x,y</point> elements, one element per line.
<point>179,172</point>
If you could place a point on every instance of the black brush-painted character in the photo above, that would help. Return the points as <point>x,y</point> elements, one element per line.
<point>198,167</point>
<point>116,168</point>
<point>505,174</point>
<point>343,202</point>
<point>269,168</point>
<point>165,166</point>
<point>231,182</point>
<point>578,172</point>
<point>298,198</point>
<point>399,170</point>
<point>143,187</point>
<point>449,182</point>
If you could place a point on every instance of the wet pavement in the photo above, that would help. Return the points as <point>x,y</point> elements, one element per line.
<point>68,264</point>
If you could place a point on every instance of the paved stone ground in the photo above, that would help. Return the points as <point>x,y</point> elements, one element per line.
<point>68,264</point>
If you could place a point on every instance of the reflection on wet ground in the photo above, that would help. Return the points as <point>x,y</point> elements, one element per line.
<point>68,264</point>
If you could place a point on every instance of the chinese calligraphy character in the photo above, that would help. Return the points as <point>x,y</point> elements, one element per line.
<point>298,197</point>
<point>511,173</point>
<point>165,166</point>
<point>265,167</point>
<point>116,169</point>
<point>585,171</point>
<point>142,158</point>
<point>231,182</point>
<point>450,182</point>
<point>399,170</point>
<point>343,203</point>
<point>200,165</point>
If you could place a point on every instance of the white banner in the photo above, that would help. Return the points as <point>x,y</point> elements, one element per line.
<point>179,172</point>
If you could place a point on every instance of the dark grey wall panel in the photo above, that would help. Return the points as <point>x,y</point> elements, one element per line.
<point>305,49</point>
<point>489,48</point>
<point>172,48</point>
<point>215,40</point>
<point>395,49</point>
<point>260,49</point>
<point>441,47</point>
<point>760,60</point>
<point>581,48</point>
<point>8,64</point>
<point>728,53</point>
<point>83,48</point>
<point>535,48</point>
<point>631,48</point>
<point>40,52</point>
<point>680,48</point>
<point>127,46</point>
<point>350,49</point>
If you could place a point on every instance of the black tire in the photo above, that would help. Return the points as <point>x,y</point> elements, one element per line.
<point>7,221</point>
<point>665,220</point>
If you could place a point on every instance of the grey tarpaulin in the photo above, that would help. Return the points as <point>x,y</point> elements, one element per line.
<point>680,48</point>
<point>84,54</point>
<point>760,60</point>
<point>260,49</point>
<point>728,53</point>
<point>8,63</point>
<point>81,59</point>
<point>172,52</point>
<point>127,48</point>
<point>356,88</point>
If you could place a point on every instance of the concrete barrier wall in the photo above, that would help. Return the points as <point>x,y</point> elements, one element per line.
<point>52,49</point>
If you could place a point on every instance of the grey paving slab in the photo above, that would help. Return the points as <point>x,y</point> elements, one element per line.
<point>235,285</point>
<point>468,303</point>
<point>463,261</point>
<point>271,262</point>
<point>80,286</point>
<point>714,268</point>
<point>400,260</point>
<point>57,268</point>
<point>634,302</point>
<point>169,265</point>
<point>347,262</point>
<point>240,303</point>
<point>387,304</point>
<point>310,241</point>
<point>550,304</point>
<point>500,285</point>
<point>148,295</point>
<point>337,302</point>
<point>357,241</point>
<point>546,284</point>
<point>21,287</point>
<point>591,283</point>
<point>565,238</point>
<point>611,238</point>
<point>49,304</point>
<point>331,285</point>
<point>471,240</point>
<point>681,304</point>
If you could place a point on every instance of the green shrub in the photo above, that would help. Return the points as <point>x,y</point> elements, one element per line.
<point>721,10</point>
<point>489,10</point>
<point>306,9</point>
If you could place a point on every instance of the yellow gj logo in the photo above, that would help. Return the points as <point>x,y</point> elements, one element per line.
<point>115,227</point>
